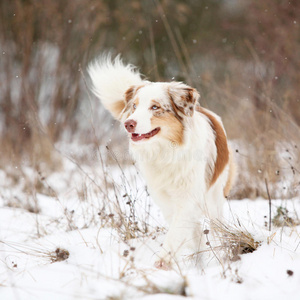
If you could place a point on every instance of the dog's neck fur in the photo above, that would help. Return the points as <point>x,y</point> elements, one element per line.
<point>198,150</point>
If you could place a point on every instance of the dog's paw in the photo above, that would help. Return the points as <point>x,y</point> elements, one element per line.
<point>162,265</point>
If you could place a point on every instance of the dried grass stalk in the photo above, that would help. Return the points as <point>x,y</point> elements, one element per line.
<point>234,240</point>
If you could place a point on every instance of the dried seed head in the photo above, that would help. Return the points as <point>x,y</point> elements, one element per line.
<point>60,255</point>
<point>206,231</point>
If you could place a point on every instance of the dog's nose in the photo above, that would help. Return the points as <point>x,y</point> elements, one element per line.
<point>130,125</point>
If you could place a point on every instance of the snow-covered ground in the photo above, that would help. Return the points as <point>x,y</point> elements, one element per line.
<point>93,232</point>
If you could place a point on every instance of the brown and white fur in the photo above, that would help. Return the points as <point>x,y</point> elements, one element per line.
<point>180,147</point>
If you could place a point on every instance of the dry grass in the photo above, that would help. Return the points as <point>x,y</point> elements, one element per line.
<point>115,205</point>
<point>43,254</point>
<point>284,218</point>
<point>226,243</point>
<point>235,240</point>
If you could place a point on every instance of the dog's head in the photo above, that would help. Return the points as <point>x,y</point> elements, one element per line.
<point>158,111</point>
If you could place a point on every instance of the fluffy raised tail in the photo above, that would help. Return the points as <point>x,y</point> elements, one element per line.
<point>110,80</point>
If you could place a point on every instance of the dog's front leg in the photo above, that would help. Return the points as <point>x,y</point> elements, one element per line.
<point>185,232</point>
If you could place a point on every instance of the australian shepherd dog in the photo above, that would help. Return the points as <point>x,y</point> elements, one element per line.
<point>180,148</point>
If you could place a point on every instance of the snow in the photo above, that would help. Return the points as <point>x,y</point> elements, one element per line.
<point>77,213</point>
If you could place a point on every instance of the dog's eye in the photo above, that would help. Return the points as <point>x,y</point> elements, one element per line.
<point>134,106</point>
<point>154,107</point>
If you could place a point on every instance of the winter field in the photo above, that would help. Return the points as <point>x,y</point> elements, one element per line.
<point>76,219</point>
<point>92,232</point>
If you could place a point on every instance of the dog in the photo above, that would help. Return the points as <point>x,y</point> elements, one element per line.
<point>180,147</point>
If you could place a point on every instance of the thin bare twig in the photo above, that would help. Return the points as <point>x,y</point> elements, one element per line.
<point>270,203</point>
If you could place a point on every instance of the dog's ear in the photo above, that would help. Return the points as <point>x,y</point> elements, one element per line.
<point>183,98</point>
<point>128,97</point>
<point>129,94</point>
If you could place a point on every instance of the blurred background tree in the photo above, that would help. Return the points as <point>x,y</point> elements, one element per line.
<point>243,57</point>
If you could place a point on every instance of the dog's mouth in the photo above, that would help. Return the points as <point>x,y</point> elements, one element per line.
<point>138,137</point>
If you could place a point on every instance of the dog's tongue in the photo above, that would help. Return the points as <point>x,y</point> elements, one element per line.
<point>137,137</point>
